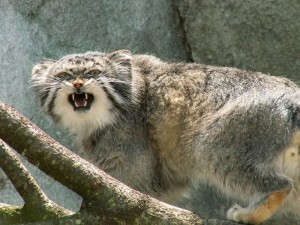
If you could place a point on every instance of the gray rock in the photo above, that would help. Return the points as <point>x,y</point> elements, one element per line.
<point>254,35</point>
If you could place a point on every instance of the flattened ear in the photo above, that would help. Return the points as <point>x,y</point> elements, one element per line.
<point>121,57</point>
<point>40,68</point>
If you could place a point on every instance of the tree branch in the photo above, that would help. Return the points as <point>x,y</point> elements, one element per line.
<point>35,199</point>
<point>103,196</point>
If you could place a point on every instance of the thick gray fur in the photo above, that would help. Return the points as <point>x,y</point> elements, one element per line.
<point>181,123</point>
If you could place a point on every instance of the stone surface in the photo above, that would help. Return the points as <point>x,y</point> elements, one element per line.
<point>254,35</point>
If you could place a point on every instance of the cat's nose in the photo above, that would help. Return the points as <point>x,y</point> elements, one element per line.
<point>78,83</point>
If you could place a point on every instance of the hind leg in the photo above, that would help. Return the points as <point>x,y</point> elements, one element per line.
<point>277,189</point>
<point>260,210</point>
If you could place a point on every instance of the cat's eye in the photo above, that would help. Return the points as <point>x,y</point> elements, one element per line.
<point>63,75</point>
<point>94,72</point>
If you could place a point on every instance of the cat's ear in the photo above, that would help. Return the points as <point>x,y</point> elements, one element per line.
<point>40,68</point>
<point>121,57</point>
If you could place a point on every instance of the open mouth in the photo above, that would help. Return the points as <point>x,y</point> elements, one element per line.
<point>82,101</point>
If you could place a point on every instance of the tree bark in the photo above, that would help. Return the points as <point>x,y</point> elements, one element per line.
<point>105,200</point>
<point>36,202</point>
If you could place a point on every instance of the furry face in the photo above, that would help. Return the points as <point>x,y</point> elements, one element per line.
<point>85,92</point>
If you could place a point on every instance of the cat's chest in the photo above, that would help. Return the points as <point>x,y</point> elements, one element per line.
<point>107,143</point>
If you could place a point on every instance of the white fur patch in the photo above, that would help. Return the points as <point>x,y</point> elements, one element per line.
<point>84,123</point>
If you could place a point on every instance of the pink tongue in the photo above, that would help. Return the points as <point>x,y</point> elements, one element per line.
<point>79,99</point>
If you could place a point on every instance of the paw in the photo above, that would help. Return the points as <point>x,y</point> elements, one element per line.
<point>243,215</point>
<point>238,214</point>
<point>234,213</point>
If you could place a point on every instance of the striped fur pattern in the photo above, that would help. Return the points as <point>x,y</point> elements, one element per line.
<point>110,89</point>
<point>161,127</point>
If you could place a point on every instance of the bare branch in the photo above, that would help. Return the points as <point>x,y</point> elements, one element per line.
<point>20,176</point>
<point>103,196</point>
<point>35,199</point>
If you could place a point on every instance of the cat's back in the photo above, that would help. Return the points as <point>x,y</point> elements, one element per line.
<point>182,98</point>
<point>199,89</point>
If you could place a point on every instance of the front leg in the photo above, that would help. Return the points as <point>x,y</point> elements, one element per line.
<point>260,210</point>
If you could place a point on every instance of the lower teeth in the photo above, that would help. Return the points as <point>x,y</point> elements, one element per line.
<point>85,101</point>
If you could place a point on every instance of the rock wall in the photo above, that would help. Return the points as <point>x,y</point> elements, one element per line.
<point>254,35</point>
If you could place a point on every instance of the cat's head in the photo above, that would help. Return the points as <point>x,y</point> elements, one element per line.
<point>83,91</point>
